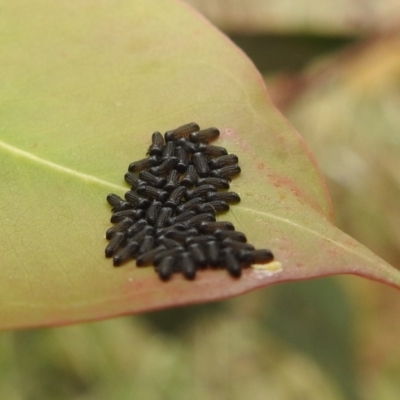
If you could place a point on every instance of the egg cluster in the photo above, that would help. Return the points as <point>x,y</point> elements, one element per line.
<point>168,218</point>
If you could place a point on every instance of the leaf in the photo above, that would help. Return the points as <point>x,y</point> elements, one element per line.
<point>310,16</point>
<point>83,86</point>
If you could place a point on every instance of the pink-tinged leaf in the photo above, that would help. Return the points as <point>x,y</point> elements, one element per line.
<point>83,87</point>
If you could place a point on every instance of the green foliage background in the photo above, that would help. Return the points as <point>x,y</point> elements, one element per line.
<point>334,338</point>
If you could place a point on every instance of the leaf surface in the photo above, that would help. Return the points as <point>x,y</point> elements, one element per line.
<point>84,84</point>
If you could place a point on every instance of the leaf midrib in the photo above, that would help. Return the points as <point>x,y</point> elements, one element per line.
<point>32,157</point>
<point>89,178</point>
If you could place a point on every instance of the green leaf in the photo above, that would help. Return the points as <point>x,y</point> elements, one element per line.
<point>84,84</point>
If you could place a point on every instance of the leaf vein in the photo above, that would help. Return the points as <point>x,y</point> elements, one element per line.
<point>60,168</point>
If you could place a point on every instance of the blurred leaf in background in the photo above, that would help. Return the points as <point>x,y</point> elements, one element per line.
<point>321,17</point>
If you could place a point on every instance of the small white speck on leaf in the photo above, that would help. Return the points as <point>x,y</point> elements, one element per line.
<point>262,270</point>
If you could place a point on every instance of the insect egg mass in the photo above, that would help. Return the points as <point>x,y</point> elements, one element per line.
<point>168,218</point>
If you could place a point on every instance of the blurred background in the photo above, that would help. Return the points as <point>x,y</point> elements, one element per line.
<point>332,67</point>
